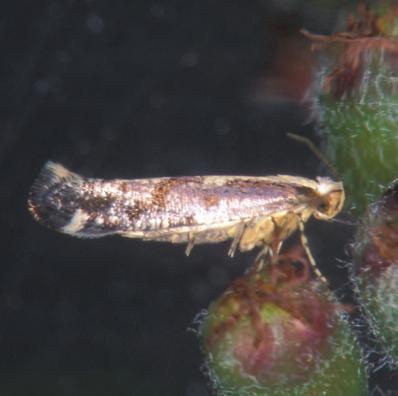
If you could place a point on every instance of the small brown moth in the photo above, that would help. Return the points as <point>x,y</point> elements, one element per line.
<point>252,211</point>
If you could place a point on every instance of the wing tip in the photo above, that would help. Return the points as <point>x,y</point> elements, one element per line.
<point>52,177</point>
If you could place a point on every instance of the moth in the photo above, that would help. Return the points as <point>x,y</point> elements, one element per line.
<point>249,211</point>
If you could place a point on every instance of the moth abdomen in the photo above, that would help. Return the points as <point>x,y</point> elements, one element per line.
<point>54,195</point>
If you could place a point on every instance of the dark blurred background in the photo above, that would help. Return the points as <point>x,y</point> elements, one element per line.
<point>133,89</point>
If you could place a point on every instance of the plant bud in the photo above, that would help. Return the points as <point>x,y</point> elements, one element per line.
<point>375,272</point>
<point>356,101</point>
<point>277,332</point>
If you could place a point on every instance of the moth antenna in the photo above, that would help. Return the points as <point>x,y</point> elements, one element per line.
<point>317,152</point>
<point>345,222</point>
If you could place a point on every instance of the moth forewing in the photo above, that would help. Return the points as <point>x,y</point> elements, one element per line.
<point>250,211</point>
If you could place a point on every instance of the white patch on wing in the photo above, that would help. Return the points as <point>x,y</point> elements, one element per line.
<point>58,170</point>
<point>76,223</point>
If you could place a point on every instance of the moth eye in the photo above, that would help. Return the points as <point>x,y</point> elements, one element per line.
<point>323,207</point>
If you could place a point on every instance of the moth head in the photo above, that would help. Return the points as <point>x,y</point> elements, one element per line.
<point>330,198</point>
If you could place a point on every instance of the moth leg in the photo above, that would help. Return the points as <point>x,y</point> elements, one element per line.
<point>304,242</point>
<point>191,243</point>
<point>260,258</point>
<point>277,242</point>
<point>276,247</point>
<point>271,249</point>
<point>238,236</point>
